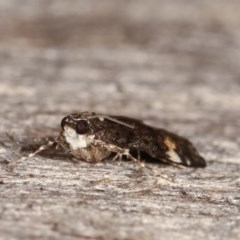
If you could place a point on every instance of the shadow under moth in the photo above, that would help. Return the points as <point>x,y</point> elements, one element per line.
<point>94,137</point>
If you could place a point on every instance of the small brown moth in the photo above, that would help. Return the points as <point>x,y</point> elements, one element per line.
<point>93,137</point>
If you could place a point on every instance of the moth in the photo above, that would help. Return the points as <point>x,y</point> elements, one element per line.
<point>93,137</point>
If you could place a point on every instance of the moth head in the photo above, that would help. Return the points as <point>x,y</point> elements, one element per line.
<point>76,128</point>
<point>80,125</point>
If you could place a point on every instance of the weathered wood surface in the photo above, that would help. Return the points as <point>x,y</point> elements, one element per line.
<point>173,63</point>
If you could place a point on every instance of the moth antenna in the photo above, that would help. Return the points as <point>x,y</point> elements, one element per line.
<point>116,121</point>
<point>101,117</point>
<point>40,149</point>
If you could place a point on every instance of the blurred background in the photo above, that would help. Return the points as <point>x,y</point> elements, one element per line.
<point>173,63</point>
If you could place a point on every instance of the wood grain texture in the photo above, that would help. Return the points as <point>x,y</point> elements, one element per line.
<point>174,64</point>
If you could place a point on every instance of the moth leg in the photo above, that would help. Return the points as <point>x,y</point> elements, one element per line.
<point>40,149</point>
<point>120,152</point>
<point>118,157</point>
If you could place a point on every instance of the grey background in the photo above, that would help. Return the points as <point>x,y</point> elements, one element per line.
<point>174,64</point>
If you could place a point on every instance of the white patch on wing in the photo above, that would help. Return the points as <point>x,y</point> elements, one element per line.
<point>174,156</point>
<point>75,140</point>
